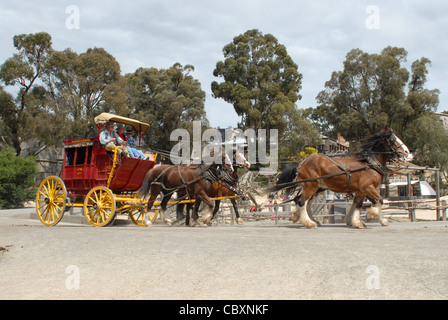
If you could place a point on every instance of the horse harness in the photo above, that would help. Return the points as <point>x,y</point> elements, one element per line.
<point>372,163</point>
<point>206,174</point>
<point>223,178</point>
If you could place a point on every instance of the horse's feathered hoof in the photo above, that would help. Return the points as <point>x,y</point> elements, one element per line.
<point>207,219</point>
<point>239,221</point>
<point>309,224</point>
<point>196,223</point>
<point>372,214</point>
<point>359,225</point>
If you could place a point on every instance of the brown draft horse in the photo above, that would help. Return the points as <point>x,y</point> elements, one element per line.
<point>220,189</point>
<point>359,174</point>
<point>191,180</point>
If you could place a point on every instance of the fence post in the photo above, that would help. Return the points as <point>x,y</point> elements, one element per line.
<point>276,207</point>
<point>410,204</point>
<point>438,193</point>
<point>331,219</point>
<point>444,207</point>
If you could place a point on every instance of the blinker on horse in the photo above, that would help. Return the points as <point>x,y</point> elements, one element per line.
<point>360,174</point>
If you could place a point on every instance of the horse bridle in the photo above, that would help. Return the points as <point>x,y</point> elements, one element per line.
<point>391,141</point>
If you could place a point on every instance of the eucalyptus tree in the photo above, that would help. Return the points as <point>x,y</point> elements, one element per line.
<point>262,82</point>
<point>370,93</point>
<point>167,99</point>
<point>377,90</point>
<point>22,72</point>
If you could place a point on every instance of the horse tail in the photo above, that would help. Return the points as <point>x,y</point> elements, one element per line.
<point>288,175</point>
<point>145,187</point>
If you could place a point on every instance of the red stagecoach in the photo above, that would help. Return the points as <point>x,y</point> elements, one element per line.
<point>100,182</point>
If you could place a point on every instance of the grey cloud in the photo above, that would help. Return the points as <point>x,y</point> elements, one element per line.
<point>317,34</point>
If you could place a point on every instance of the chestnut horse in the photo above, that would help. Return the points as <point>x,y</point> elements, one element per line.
<point>193,180</point>
<point>220,189</point>
<point>360,174</point>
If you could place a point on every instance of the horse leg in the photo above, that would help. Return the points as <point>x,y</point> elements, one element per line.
<point>180,211</point>
<point>155,190</point>
<point>374,212</point>
<point>215,211</point>
<point>163,209</point>
<point>207,217</point>
<point>239,220</point>
<point>195,215</point>
<point>353,217</point>
<point>187,215</point>
<point>302,202</point>
<point>308,207</point>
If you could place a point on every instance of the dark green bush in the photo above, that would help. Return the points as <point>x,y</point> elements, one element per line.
<point>16,179</point>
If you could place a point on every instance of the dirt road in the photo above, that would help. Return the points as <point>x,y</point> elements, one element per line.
<point>401,261</point>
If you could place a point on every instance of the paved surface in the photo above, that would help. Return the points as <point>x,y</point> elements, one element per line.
<point>72,261</point>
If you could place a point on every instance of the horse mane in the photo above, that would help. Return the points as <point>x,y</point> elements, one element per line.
<point>375,144</point>
<point>288,175</point>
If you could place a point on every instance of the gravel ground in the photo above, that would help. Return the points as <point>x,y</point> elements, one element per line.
<point>71,261</point>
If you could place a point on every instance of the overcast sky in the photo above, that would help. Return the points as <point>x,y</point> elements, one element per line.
<point>317,34</point>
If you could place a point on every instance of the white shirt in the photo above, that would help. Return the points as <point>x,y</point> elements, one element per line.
<point>105,137</point>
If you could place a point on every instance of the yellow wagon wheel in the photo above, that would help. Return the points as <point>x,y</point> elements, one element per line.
<point>50,201</point>
<point>139,216</point>
<point>99,207</point>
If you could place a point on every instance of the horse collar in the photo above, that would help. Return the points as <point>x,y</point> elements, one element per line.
<point>376,165</point>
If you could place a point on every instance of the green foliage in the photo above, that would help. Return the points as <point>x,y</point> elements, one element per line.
<point>373,91</point>
<point>7,116</point>
<point>79,87</point>
<point>429,141</point>
<point>167,99</point>
<point>369,94</point>
<point>23,69</point>
<point>16,179</point>
<point>72,90</point>
<point>260,80</point>
<point>309,151</point>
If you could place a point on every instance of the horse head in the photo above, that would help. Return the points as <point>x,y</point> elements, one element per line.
<point>388,145</point>
<point>217,158</point>
<point>400,151</point>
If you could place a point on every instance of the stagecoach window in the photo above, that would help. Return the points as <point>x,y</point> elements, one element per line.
<point>81,156</point>
<point>70,156</point>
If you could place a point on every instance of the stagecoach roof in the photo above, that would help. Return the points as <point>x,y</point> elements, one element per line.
<point>104,117</point>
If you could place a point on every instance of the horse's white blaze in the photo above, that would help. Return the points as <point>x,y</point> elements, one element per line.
<point>241,160</point>
<point>407,152</point>
<point>228,161</point>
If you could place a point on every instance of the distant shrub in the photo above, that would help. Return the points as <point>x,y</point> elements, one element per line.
<point>16,179</point>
